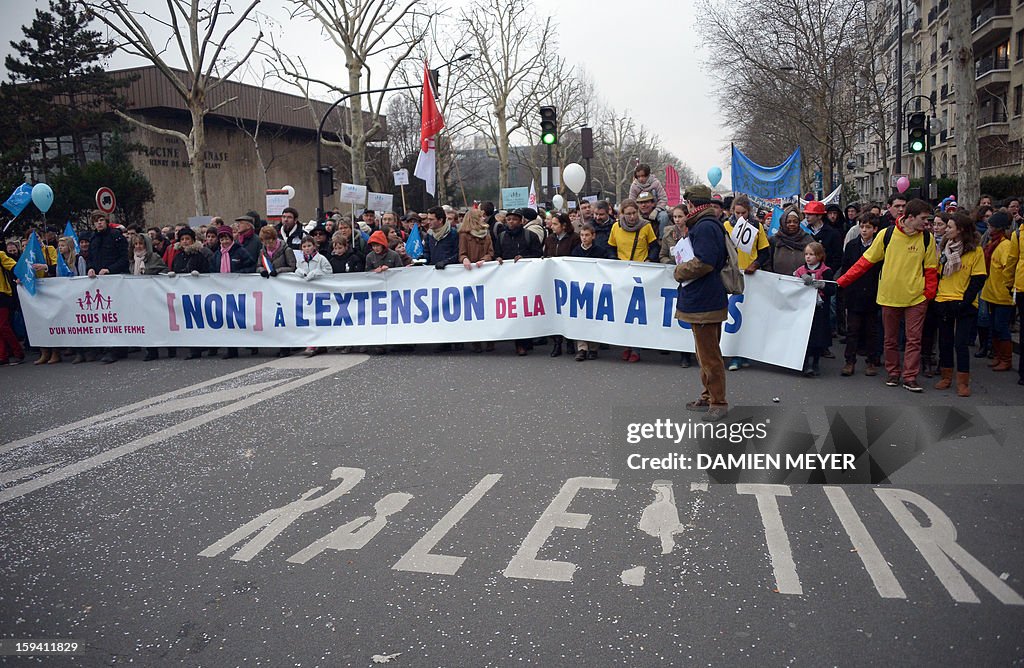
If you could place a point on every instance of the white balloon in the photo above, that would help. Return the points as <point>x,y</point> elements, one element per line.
<point>558,201</point>
<point>291,191</point>
<point>574,176</point>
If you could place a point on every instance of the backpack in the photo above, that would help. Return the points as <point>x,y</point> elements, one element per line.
<point>732,275</point>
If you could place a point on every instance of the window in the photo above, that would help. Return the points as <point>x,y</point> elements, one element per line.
<point>1018,100</point>
<point>1020,44</point>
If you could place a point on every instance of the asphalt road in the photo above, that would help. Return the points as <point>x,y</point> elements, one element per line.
<point>480,513</point>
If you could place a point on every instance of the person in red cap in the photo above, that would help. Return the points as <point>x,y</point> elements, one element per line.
<point>381,258</point>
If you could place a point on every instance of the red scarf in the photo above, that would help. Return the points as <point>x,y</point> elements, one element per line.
<point>994,240</point>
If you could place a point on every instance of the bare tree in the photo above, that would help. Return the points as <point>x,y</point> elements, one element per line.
<point>364,31</point>
<point>511,44</point>
<point>621,145</point>
<point>204,46</point>
<point>968,177</point>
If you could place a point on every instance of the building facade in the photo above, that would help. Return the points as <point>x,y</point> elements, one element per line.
<point>997,32</point>
<point>258,139</point>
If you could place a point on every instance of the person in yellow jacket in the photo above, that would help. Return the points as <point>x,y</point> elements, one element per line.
<point>908,281</point>
<point>998,290</point>
<point>956,304</point>
<point>1015,257</point>
<point>759,255</point>
<point>11,352</point>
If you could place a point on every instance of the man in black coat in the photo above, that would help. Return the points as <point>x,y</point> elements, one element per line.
<point>514,241</point>
<point>441,241</point>
<point>860,300</point>
<point>108,254</point>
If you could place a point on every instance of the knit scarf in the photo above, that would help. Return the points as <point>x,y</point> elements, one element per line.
<point>952,253</point>
<point>634,227</point>
<point>272,249</point>
<point>791,241</point>
<point>993,241</point>
<point>480,232</point>
<point>139,268</point>
<point>695,211</point>
<point>225,261</point>
<point>441,232</point>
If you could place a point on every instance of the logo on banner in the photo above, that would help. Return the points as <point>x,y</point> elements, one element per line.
<point>94,301</point>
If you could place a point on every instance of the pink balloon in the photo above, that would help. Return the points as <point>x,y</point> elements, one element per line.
<point>902,184</point>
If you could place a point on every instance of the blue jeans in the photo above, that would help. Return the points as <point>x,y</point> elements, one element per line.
<point>1000,317</point>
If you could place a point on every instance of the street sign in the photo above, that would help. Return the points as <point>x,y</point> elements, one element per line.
<point>105,200</point>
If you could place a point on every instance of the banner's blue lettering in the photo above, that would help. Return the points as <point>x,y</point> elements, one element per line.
<point>192,309</point>
<point>473,302</point>
<point>322,309</point>
<point>214,308</point>
<point>561,295</point>
<point>235,307</point>
<point>378,307</point>
<point>343,318</point>
<point>581,299</point>
<point>605,304</point>
<point>422,310</point>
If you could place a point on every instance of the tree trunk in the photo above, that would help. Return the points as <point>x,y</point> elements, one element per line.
<point>196,148</point>
<point>499,115</point>
<point>966,114</point>
<point>358,153</point>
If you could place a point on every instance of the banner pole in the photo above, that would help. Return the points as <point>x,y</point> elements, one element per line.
<point>405,209</point>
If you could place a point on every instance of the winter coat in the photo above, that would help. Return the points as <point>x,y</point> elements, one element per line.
<point>443,252</point>
<point>283,259</point>
<point>518,242</point>
<point>389,258</point>
<point>474,248</point>
<point>669,239</point>
<point>555,247</point>
<point>252,245</point>
<point>652,186</point>
<point>601,234</point>
<point>152,264</point>
<point>594,252</point>
<point>704,300</point>
<point>832,240</point>
<point>292,239</point>
<point>187,261</point>
<point>241,261</point>
<point>786,260</point>
<point>108,250</point>
<point>821,331</point>
<point>348,263</point>
<point>860,295</point>
<point>315,267</point>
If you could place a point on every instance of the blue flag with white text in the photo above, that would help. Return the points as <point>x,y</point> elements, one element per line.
<point>414,246</point>
<point>25,273</point>
<point>780,181</point>
<point>63,270</point>
<point>19,199</point>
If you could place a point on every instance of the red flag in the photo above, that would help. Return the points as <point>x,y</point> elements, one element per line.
<point>432,122</point>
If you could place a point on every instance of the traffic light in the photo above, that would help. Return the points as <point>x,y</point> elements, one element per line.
<point>917,132</point>
<point>326,177</point>
<point>548,125</point>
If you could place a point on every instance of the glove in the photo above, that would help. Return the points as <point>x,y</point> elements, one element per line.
<point>264,273</point>
<point>172,273</point>
<point>195,272</point>
<point>439,265</point>
<point>807,279</point>
<point>308,277</point>
<point>819,285</point>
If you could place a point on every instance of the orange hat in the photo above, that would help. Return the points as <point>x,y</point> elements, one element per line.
<point>379,238</point>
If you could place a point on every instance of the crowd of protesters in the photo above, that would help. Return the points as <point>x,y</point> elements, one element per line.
<point>903,278</point>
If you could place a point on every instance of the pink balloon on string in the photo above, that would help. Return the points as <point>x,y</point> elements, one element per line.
<point>902,184</point>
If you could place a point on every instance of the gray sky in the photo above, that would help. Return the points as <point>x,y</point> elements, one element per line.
<point>645,60</point>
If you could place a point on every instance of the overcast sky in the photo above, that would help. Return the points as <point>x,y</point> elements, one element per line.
<point>645,58</point>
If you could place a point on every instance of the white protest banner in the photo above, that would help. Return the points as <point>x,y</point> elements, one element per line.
<point>621,303</point>
<point>515,198</point>
<point>353,194</point>
<point>380,202</point>
<point>277,200</point>
<point>195,222</point>
<point>743,235</point>
<point>402,177</point>
<point>590,198</point>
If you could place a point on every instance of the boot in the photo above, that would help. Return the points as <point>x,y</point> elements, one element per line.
<point>808,367</point>
<point>927,367</point>
<point>55,357</point>
<point>963,384</point>
<point>983,340</point>
<point>848,368</point>
<point>556,349</point>
<point>946,381</point>
<point>1004,356</point>
<point>79,358</point>
<point>44,356</point>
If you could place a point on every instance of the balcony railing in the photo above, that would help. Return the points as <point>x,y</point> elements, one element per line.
<point>986,65</point>
<point>994,117</point>
<point>989,13</point>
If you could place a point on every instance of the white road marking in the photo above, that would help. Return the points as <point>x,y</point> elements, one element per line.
<point>358,533</point>
<point>937,544</point>
<point>525,563</point>
<point>634,576</point>
<point>419,559</point>
<point>337,364</point>
<point>786,579</point>
<point>138,405</point>
<point>18,474</point>
<point>272,522</point>
<point>874,563</point>
<point>660,519</point>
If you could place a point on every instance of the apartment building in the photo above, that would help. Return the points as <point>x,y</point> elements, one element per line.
<point>997,31</point>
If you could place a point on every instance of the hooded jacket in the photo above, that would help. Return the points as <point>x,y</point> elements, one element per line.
<point>241,261</point>
<point>108,250</point>
<point>652,186</point>
<point>704,300</point>
<point>188,260</point>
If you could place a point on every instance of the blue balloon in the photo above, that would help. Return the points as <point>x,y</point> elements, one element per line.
<point>42,196</point>
<point>714,176</point>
